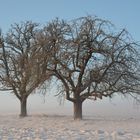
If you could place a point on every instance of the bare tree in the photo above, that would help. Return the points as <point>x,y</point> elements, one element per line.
<point>91,60</point>
<point>20,67</point>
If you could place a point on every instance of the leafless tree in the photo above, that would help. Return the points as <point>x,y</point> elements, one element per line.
<point>91,60</point>
<point>86,55</point>
<point>20,67</point>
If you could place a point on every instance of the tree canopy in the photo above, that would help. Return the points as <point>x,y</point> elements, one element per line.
<point>20,67</point>
<point>92,60</point>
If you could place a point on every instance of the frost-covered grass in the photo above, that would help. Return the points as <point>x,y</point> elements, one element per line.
<point>54,127</point>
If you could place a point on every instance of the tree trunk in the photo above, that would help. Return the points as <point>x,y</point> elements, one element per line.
<point>23,109</point>
<point>78,110</point>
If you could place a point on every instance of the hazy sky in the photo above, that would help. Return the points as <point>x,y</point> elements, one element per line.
<point>122,13</point>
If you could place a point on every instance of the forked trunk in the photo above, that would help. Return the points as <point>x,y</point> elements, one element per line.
<point>23,109</point>
<point>78,110</point>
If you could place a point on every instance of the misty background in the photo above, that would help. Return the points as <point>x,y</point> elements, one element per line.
<point>49,104</point>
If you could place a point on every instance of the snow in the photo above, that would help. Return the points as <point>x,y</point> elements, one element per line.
<point>61,127</point>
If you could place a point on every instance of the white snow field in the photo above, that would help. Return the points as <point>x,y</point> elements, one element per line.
<point>55,127</point>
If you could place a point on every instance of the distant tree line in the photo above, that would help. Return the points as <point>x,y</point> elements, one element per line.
<point>87,56</point>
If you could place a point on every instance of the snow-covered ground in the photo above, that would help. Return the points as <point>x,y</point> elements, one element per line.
<point>55,127</point>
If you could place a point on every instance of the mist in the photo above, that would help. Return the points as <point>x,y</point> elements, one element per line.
<point>49,104</point>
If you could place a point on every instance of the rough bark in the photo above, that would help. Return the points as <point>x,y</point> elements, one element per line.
<point>23,109</point>
<point>78,110</point>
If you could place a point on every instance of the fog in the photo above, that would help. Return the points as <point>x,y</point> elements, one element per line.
<point>48,104</point>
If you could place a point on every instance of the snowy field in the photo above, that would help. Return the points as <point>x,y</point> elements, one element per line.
<point>55,127</point>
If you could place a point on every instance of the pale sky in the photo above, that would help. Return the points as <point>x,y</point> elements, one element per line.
<point>122,13</point>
